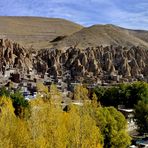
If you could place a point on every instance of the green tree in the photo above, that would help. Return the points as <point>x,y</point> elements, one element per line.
<point>20,104</point>
<point>4,92</point>
<point>141,116</point>
<point>113,127</point>
<point>138,91</point>
<point>123,94</point>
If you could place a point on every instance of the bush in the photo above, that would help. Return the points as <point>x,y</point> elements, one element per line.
<point>20,104</point>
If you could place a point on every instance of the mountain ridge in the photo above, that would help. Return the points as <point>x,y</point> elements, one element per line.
<point>106,35</point>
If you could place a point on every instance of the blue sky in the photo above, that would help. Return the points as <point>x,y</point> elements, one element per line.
<point>125,13</point>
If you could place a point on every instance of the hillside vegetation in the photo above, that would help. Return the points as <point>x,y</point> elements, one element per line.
<point>46,125</point>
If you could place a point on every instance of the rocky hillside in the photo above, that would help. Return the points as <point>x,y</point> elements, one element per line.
<point>110,64</point>
<point>14,56</point>
<point>35,31</point>
<point>105,64</point>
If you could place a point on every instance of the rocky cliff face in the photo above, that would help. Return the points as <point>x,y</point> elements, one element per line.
<point>102,63</point>
<point>12,55</point>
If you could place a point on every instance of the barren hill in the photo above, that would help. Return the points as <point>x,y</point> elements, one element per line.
<point>36,31</point>
<point>142,34</point>
<point>105,35</point>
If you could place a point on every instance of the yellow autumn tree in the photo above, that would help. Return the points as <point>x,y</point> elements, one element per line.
<point>7,122</point>
<point>80,93</point>
<point>14,131</point>
<point>55,94</point>
<point>83,130</point>
<point>42,88</point>
<point>47,127</point>
<point>22,135</point>
<point>95,102</point>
